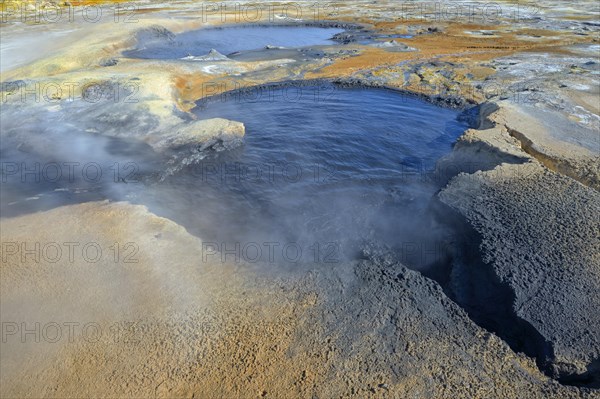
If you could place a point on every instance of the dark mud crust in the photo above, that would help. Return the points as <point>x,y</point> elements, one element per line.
<point>526,266</point>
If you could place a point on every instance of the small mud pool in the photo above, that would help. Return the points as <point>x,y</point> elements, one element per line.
<point>323,174</point>
<point>161,44</point>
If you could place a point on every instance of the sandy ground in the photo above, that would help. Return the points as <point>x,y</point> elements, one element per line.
<point>178,324</point>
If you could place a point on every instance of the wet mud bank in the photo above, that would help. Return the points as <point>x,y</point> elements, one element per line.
<point>471,279</point>
<point>441,100</point>
<point>474,285</point>
<point>528,290</point>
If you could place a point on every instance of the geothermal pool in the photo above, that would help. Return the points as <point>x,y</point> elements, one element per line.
<point>325,170</point>
<point>228,40</point>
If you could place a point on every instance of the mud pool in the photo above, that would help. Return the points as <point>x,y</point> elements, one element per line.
<point>165,45</point>
<point>324,170</point>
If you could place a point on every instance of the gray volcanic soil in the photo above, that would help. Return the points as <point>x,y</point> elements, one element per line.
<point>540,244</point>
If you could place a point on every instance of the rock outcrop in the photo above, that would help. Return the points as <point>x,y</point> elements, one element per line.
<point>201,134</point>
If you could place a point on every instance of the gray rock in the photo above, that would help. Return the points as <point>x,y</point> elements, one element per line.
<point>106,62</point>
<point>201,134</point>
<point>393,46</point>
<point>189,143</point>
<point>155,32</point>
